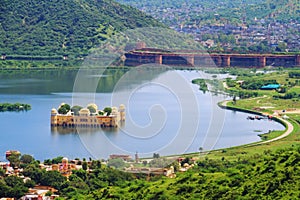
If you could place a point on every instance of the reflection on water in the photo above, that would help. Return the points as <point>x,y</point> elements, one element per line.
<point>85,130</point>
<point>51,81</point>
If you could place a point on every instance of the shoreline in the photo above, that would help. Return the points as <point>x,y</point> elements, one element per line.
<point>289,128</point>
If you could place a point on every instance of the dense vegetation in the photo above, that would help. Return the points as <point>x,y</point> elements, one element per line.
<point>262,176</point>
<point>256,84</point>
<point>38,64</point>
<point>252,83</point>
<point>269,174</point>
<point>14,107</point>
<point>71,27</point>
<point>201,83</point>
<point>294,74</point>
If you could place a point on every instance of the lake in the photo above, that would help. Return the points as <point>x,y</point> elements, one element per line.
<point>165,114</point>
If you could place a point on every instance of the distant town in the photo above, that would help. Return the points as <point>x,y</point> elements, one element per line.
<point>259,36</point>
<point>218,28</point>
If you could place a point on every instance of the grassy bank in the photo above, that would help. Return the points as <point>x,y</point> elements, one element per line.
<point>266,103</point>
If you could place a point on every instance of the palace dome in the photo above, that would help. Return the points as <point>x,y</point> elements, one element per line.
<point>84,111</point>
<point>122,107</point>
<point>53,111</point>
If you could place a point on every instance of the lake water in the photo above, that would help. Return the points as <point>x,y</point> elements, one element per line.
<point>165,114</point>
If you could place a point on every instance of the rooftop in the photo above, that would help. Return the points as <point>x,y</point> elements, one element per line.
<point>270,86</point>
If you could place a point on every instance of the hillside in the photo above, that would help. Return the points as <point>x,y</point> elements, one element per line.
<point>72,27</point>
<point>207,11</point>
<point>268,175</point>
<point>265,175</point>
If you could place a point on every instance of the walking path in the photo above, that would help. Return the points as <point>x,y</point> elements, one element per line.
<point>289,129</point>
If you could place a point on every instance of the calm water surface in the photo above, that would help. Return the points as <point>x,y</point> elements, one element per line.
<point>162,116</point>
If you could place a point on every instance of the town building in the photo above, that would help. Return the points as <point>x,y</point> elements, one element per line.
<point>123,157</point>
<point>40,193</point>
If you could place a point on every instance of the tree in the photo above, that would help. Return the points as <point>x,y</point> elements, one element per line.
<point>200,149</point>
<point>26,159</point>
<point>76,109</point>
<point>92,109</point>
<point>49,193</point>
<point>30,183</point>
<point>16,187</point>
<point>2,172</point>
<point>82,174</point>
<point>53,178</point>
<point>107,110</point>
<point>4,189</point>
<point>84,165</point>
<point>64,109</point>
<point>117,163</point>
<point>96,164</point>
<point>48,162</point>
<point>14,160</point>
<point>145,162</point>
<point>156,155</point>
<point>57,160</point>
<point>34,172</point>
<point>281,47</point>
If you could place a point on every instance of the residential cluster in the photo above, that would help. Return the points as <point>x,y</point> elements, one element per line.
<point>66,167</point>
<point>274,35</point>
<point>240,28</point>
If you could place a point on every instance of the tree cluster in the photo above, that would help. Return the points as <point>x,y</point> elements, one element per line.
<point>288,95</point>
<point>16,107</point>
<point>294,74</point>
<point>256,84</point>
<point>202,84</point>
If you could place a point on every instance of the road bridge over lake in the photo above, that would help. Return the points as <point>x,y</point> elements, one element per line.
<point>202,59</point>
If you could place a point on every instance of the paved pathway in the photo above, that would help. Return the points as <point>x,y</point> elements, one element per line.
<point>289,129</point>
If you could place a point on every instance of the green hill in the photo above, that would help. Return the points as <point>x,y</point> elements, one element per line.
<point>57,27</point>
